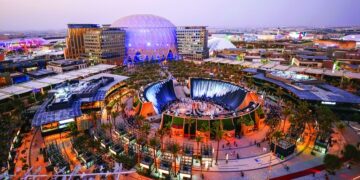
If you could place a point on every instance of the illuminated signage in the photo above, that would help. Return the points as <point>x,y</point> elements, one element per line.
<point>66,121</point>
<point>328,103</point>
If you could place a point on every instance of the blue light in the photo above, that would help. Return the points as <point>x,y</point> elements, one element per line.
<point>226,94</point>
<point>160,94</point>
<point>150,35</point>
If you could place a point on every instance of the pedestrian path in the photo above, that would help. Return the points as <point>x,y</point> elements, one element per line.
<point>251,163</point>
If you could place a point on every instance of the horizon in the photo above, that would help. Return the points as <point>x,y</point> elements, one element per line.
<point>43,15</point>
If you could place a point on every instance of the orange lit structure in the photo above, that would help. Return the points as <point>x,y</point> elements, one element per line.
<point>75,39</point>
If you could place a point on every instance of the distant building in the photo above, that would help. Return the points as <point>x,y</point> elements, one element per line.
<point>61,66</point>
<point>192,42</point>
<point>106,45</point>
<point>2,55</point>
<point>75,39</point>
<point>341,44</point>
<point>312,61</point>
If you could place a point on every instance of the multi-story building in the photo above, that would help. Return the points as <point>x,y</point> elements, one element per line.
<point>75,39</point>
<point>192,42</point>
<point>312,61</point>
<point>106,45</point>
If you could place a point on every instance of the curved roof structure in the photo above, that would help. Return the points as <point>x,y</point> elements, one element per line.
<point>143,21</point>
<point>216,44</point>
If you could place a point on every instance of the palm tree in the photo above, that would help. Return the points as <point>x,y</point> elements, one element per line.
<point>113,116</point>
<point>325,119</point>
<point>341,127</point>
<point>108,112</point>
<point>219,133</point>
<point>139,119</point>
<point>287,111</point>
<point>154,143</point>
<point>332,162</point>
<point>94,118</point>
<point>108,126</point>
<point>279,92</point>
<point>205,128</point>
<point>145,130</point>
<point>275,136</point>
<point>190,122</point>
<point>161,133</point>
<point>73,128</point>
<point>198,140</point>
<point>174,148</point>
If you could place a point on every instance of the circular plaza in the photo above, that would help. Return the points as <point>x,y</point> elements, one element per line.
<point>202,105</point>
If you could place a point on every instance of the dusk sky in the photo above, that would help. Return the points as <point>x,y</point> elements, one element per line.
<point>21,15</point>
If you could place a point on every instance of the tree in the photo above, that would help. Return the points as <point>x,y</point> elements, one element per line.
<point>341,127</point>
<point>303,115</point>
<point>198,140</point>
<point>108,126</point>
<point>94,118</point>
<point>139,120</point>
<point>174,148</point>
<point>332,162</point>
<point>351,153</point>
<point>325,119</point>
<point>219,133</point>
<point>145,130</point>
<point>279,92</point>
<point>190,122</point>
<point>113,116</point>
<point>356,117</point>
<point>154,143</point>
<point>161,133</point>
<point>73,129</point>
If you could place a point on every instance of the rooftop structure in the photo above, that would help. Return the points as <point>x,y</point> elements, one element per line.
<point>299,69</point>
<point>31,86</point>
<point>309,90</point>
<point>64,65</point>
<point>216,44</point>
<point>66,100</point>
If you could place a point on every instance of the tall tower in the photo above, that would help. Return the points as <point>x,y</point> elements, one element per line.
<point>105,45</point>
<point>75,39</point>
<point>192,42</point>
